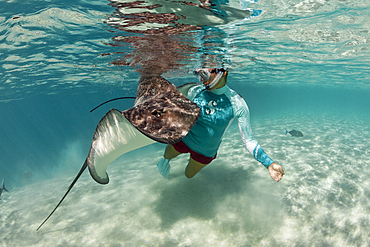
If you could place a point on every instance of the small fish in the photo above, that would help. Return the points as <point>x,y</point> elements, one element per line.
<point>3,188</point>
<point>294,132</point>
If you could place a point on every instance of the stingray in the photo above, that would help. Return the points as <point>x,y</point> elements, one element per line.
<point>160,114</point>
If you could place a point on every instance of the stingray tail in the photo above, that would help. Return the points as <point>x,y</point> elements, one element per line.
<point>69,189</point>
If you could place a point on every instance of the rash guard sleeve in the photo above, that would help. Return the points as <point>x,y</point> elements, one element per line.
<point>194,90</point>
<point>241,112</point>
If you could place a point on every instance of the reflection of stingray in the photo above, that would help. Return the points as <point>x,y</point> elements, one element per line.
<point>160,112</point>
<point>172,16</point>
<point>27,175</point>
<point>170,41</point>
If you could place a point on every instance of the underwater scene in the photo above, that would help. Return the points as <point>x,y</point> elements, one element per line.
<point>302,67</point>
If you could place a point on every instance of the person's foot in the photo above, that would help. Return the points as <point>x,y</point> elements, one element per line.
<point>164,167</point>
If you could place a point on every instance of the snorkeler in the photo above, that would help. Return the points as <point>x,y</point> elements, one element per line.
<point>190,119</point>
<point>219,106</point>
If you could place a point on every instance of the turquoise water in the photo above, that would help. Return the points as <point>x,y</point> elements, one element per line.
<point>298,64</point>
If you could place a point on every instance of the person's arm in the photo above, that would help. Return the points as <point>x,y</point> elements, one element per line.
<point>249,142</point>
<point>243,116</point>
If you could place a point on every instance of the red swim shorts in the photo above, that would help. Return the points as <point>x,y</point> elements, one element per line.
<point>182,148</point>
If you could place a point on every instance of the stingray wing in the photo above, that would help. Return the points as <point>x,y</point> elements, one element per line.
<point>113,137</point>
<point>161,112</point>
<point>184,89</point>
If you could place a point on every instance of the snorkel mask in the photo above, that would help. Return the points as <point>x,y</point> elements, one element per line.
<point>210,77</point>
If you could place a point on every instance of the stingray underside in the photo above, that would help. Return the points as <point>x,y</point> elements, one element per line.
<point>113,137</point>
<point>161,113</point>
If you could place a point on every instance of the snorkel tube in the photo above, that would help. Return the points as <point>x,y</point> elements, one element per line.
<point>213,83</point>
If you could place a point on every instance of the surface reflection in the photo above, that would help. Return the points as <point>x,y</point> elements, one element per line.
<point>166,35</point>
<point>158,50</point>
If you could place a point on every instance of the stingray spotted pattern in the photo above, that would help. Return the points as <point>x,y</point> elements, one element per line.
<point>161,112</point>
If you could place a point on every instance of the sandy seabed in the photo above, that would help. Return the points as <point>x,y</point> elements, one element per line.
<point>323,199</point>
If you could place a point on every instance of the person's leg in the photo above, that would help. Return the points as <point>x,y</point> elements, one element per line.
<point>193,168</point>
<point>164,164</point>
<point>170,152</point>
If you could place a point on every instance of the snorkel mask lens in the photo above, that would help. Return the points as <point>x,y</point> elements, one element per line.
<point>210,77</point>
<point>202,74</point>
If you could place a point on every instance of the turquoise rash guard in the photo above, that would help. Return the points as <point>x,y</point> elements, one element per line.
<point>219,108</point>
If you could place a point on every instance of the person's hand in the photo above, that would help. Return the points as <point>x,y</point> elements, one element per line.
<point>276,172</point>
